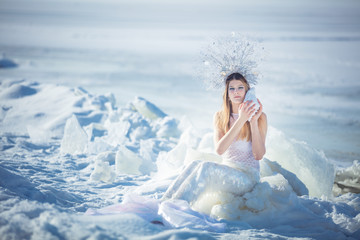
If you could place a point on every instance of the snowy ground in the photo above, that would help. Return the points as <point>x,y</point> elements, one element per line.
<point>63,49</point>
<point>50,178</point>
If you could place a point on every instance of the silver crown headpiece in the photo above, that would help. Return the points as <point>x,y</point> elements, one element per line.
<point>227,55</point>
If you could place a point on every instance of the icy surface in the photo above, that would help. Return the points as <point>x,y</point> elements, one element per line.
<point>269,168</point>
<point>75,139</point>
<point>47,185</point>
<point>147,109</point>
<point>308,164</point>
<point>127,162</point>
<point>348,179</point>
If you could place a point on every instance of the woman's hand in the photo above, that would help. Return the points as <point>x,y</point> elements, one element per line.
<point>258,133</point>
<point>256,116</point>
<point>246,109</point>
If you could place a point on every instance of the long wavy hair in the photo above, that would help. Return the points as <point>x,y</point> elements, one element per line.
<point>223,120</point>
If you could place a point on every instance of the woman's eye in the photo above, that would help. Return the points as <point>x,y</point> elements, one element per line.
<point>231,89</point>
<point>240,88</point>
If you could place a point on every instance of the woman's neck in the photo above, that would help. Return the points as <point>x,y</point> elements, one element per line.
<point>235,108</point>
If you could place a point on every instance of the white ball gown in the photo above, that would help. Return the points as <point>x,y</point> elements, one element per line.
<point>198,191</point>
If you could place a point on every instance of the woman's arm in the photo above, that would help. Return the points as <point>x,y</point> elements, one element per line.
<point>258,126</point>
<point>221,140</point>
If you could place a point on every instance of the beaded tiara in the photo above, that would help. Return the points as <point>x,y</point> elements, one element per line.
<point>229,54</point>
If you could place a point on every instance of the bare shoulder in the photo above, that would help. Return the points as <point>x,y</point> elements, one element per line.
<point>217,119</point>
<point>263,117</point>
<point>263,123</point>
<point>217,116</point>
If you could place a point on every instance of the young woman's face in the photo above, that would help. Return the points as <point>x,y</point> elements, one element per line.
<point>236,91</point>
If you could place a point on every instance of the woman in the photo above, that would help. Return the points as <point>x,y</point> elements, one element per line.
<point>205,185</point>
<point>232,128</point>
<point>241,144</point>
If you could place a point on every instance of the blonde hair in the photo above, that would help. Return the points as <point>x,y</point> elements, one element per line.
<point>224,115</point>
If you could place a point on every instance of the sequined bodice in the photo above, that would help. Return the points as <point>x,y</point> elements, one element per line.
<point>240,151</point>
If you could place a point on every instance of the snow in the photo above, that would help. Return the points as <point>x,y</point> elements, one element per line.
<point>65,177</point>
<point>7,63</point>
<point>99,114</point>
